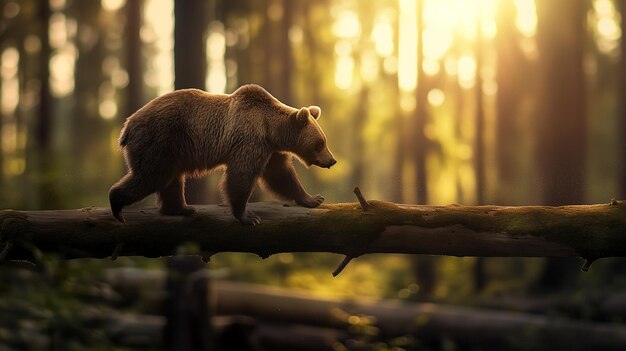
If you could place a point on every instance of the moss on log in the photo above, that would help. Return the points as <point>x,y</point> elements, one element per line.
<point>589,231</point>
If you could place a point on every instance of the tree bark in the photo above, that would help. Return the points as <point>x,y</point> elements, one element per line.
<point>589,231</point>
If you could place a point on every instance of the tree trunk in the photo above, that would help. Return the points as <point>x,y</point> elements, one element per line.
<point>43,139</point>
<point>424,267</point>
<point>479,273</point>
<point>188,325</point>
<point>358,146</point>
<point>479,136</point>
<point>589,231</point>
<point>286,59</point>
<point>44,121</point>
<point>134,58</point>
<point>510,87</point>
<point>188,306</point>
<point>421,113</point>
<point>622,100</point>
<point>397,184</point>
<point>562,142</point>
<point>425,272</point>
<point>190,68</point>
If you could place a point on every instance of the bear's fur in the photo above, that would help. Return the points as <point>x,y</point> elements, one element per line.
<point>189,132</point>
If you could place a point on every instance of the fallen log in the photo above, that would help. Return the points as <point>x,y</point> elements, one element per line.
<point>588,231</point>
<point>489,328</point>
<point>469,326</point>
<point>430,323</point>
<point>590,305</point>
<point>132,286</point>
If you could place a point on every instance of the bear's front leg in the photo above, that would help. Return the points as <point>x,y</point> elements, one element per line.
<point>310,201</point>
<point>280,177</point>
<point>237,187</point>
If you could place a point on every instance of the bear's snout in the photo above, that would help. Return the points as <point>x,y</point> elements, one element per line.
<point>326,164</point>
<point>325,159</point>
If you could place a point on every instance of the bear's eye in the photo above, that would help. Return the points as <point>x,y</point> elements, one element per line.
<point>319,145</point>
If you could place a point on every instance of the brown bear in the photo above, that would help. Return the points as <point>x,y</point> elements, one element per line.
<point>189,132</point>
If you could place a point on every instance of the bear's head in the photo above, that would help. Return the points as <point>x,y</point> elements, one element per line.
<point>310,141</point>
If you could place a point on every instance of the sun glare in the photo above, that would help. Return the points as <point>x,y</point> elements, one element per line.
<point>158,30</point>
<point>467,71</point>
<point>606,26</point>
<point>382,35</point>
<point>407,51</point>
<point>10,84</point>
<point>450,27</point>
<point>216,49</point>
<point>526,20</point>
<point>9,99</point>
<point>347,25</point>
<point>436,97</point>
<point>344,72</point>
<point>112,5</point>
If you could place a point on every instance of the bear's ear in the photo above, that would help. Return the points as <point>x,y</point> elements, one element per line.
<point>316,112</point>
<point>302,116</point>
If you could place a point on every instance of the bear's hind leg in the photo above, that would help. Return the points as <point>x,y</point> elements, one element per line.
<point>280,177</point>
<point>237,187</point>
<point>128,190</point>
<point>172,198</point>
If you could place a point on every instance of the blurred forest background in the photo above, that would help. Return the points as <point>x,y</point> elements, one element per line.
<point>424,101</point>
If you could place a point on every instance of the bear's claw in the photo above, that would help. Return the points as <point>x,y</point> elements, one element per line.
<point>311,201</point>
<point>118,215</point>
<point>249,218</point>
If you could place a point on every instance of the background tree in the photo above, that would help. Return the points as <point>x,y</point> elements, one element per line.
<point>561,122</point>
<point>622,98</point>
<point>424,266</point>
<point>134,58</point>
<point>188,325</point>
<point>511,84</point>
<point>190,67</point>
<point>479,147</point>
